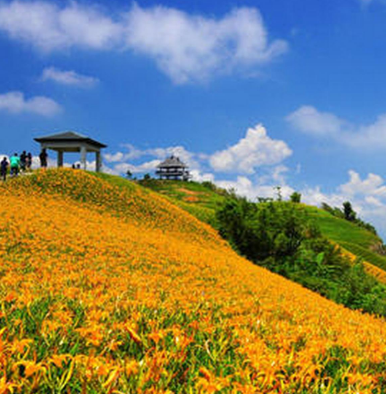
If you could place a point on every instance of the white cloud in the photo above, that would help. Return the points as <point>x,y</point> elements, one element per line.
<point>373,185</point>
<point>190,158</point>
<point>16,103</point>
<point>71,78</point>
<point>367,196</point>
<point>368,136</point>
<point>132,153</point>
<point>243,186</point>
<point>197,176</point>
<point>310,120</point>
<point>373,201</point>
<point>254,150</point>
<point>122,168</point>
<point>48,27</point>
<point>185,47</point>
<point>186,156</point>
<point>190,47</point>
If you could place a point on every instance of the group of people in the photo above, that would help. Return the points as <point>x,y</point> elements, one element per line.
<point>22,163</point>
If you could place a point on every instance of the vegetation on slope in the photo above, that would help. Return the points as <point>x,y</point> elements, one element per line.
<point>353,238</point>
<point>111,289</point>
<point>279,236</point>
<point>200,199</point>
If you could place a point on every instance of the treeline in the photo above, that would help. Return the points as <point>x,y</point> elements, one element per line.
<point>347,212</point>
<point>280,236</point>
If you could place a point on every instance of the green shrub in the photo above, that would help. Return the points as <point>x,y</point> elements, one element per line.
<point>285,240</point>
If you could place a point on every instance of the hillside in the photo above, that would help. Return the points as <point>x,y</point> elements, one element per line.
<point>110,288</point>
<point>201,201</point>
<point>198,199</point>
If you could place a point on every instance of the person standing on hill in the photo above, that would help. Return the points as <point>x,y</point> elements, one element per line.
<point>23,161</point>
<point>3,168</point>
<point>43,158</point>
<point>29,161</point>
<point>15,164</point>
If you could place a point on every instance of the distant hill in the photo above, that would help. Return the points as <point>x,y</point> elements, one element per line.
<point>107,287</point>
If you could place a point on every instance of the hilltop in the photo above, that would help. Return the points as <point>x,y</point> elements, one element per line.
<point>110,288</point>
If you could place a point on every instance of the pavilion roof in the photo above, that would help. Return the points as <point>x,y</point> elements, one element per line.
<point>172,161</point>
<point>69,136</point>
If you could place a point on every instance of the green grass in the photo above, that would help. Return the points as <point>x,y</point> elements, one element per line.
<point>340,230</point>
<point>193,193</point>
<point>115,180</point>
<point>351,237</point>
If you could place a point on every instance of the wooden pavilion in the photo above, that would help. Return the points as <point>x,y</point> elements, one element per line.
<point>70,141</point>
<point>173,168</point>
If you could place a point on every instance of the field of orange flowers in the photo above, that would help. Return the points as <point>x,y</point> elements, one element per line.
<point>115,290</point>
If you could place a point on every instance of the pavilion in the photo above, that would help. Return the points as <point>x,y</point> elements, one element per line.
<point>70,141</point>
<point>173,168</point>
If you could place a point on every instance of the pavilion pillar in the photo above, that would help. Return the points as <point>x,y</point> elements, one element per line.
<point>83,153</point>
<point>98,161</point>
<point>60,158</point>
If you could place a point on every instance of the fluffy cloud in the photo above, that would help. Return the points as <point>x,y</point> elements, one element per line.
<point>254,150</point>
<point>246,187</point>
<point>122,168</point>
<point>197,176</point>
<point>71,78</point>
<point>186,156</point>
<point>48,27</point>
<point>186,47</point>
<point>16,103</point>
<point>373,185</point>
<point>310,120</point>
<point>133,153</point>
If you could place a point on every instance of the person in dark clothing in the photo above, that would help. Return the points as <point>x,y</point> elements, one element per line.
<point>4,168</point>
<point>23,161</point>
<point>43,158</point>
<point>29,161</point>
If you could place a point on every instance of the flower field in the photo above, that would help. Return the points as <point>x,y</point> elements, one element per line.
<point>112,290</point>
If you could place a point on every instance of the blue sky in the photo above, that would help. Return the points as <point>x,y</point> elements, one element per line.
<point>252,94</point>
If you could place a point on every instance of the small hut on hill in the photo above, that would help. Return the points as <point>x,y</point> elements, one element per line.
<point>173,168</point>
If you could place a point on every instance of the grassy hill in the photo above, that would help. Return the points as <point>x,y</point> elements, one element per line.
<point>109,288</point>
<point>198,199</point>
<point>201,201</point>
<point>351,237</point>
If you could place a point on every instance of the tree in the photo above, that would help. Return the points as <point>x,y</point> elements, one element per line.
<point>295,197</point>
<point>349,213</point>
<point>147,177</point>
<point>278,192</point>
<point>129,174</point>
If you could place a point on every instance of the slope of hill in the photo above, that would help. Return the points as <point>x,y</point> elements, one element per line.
<point>113,289</point>
<point>198,199</point>
<point>356,240</point>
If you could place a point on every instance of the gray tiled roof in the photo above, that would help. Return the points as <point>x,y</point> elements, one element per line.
<point>64,135</point>
<point>172,161</point>
<point>68,136</point>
